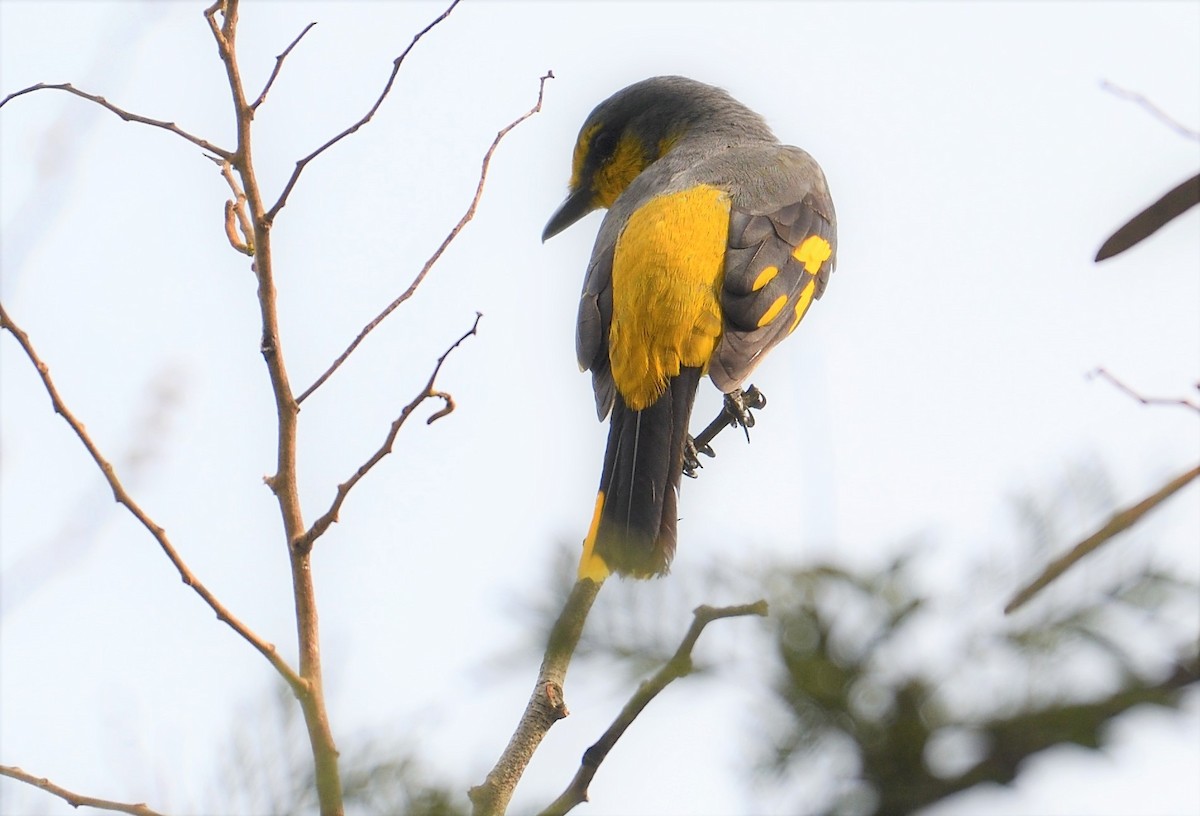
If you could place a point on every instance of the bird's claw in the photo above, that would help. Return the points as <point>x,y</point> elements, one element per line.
<point>691,456</point>
<point>739,404</point>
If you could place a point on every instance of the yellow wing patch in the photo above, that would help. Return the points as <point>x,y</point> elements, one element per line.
<point>773,310</point>
<point>766,276</point>
<point>668,268</point>
<point>812,252</point>
<point>802,304</point>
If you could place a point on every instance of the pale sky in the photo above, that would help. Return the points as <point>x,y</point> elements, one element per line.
<point>976,165</point>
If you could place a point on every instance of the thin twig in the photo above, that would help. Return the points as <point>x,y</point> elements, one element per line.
<point>331,515</point>
<point>1154,110</point>
<point>75,800</point>
<point>1118,523</point>
<point>160,535</point>
<point>279,58</point>
<point>1103,373</point>
<point>121,112</point>
<point>680,665</point>
<point>387,88</point>
<point>235,214</point>
<point>462,222</point>
<point>546,704</point>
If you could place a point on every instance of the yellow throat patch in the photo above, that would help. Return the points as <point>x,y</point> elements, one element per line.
<point>668,268</point>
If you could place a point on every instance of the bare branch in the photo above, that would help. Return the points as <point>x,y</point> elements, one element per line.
<point>331,515</point>
<point>1154,110</point>
<point>387,88</point>
<point>160,535</point>
<point>680,665</point>
<point>462,222</point>
<point>546,704</point>
<point>121,112</point>
<point>279,58</point>
<point>283,482</point>
<point>75,800</point>
<point>1118,523</point>
<point>1103,373</point>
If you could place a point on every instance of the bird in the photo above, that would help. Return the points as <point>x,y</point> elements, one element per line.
<point>716,240</point>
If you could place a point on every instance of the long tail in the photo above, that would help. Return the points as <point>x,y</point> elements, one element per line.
<point>633,530</point>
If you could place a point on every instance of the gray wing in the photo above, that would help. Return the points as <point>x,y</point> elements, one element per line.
<point>782,250</point>
<point>591,329</point>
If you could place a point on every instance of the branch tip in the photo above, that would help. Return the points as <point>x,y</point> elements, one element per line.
<point>680,665</point>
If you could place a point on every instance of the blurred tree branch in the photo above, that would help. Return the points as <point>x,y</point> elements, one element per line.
<point>680,665</point>
<point>1181,401</point>
<point>912,736</point>
<point>1118,523</point>
<point>1154,110</point>
<point>1172,204</point>
<point>76,800</point>
<point>546,704</point>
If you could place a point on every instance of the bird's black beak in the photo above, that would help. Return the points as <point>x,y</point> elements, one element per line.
<point>578,204</point>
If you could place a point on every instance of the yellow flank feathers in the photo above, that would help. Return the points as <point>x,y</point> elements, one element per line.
<point>812,252</point>
<point>592,565</point>
<point>773,311</point>
<point>667,273</point>
<point>805,300</point>
<point>766,276</point>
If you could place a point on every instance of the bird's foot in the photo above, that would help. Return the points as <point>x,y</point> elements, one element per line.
<point>734,413</point>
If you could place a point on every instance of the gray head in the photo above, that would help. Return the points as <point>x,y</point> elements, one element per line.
<point>635,127</point>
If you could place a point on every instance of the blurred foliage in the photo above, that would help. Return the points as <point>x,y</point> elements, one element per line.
<point>268,770</point>
<point>911,745</point>
<point>872,689</point>
<point>888,697</point>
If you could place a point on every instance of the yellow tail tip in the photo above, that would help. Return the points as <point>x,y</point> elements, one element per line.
<point>592,565</point>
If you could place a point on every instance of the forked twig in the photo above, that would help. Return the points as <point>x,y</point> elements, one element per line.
<point>1104,374</point>
<point>680,665</point>
<point>462,222</point>
<point>268,650</point>
<point>75,800</point>
<point>331,515</point>
<point>387,88</point>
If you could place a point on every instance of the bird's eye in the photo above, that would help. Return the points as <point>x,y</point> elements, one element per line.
<point>604,145</point>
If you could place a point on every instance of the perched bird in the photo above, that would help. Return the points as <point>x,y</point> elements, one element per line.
<point>716,241</point>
